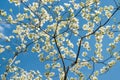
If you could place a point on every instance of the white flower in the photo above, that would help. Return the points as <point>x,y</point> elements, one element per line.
<point>8,47</point>
<point>69,43</point>
<point>97,19</point>
<point>76,6</point>
<point>3,58</point>
<point>71,10</point>
<point>84,54</point>
<point>118,26</point>
<point>17,62</point>
<point>85,27</point>
<point>86,45</point>
<point>47,66</point>
<point>3,77</point>
<point>108,14</point>
<point>103,70</point>
<point>115,54</point>
<point>94,78</point>
<point>82,4</point>
<point>111,63</point>
<point>98,45</point>
<point>111,8</point>
<point>66,5</point>
<point>2,50</point>
<point>10,19</point>
<point>96,73</point>
<point>1,35</point>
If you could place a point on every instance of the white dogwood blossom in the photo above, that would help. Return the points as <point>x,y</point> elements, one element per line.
<point>59,39</point>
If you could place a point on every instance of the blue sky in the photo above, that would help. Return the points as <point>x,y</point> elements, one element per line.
<point>30,62</point>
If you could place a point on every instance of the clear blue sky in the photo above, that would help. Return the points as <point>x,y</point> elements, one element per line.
<point>30,62</point>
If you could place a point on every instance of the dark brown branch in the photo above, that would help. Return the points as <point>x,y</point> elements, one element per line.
<point>64,68</point>
<point>77,56</point>
<point>92,71</point>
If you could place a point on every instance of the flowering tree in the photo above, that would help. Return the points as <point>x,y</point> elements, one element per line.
<point>71,38</point>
